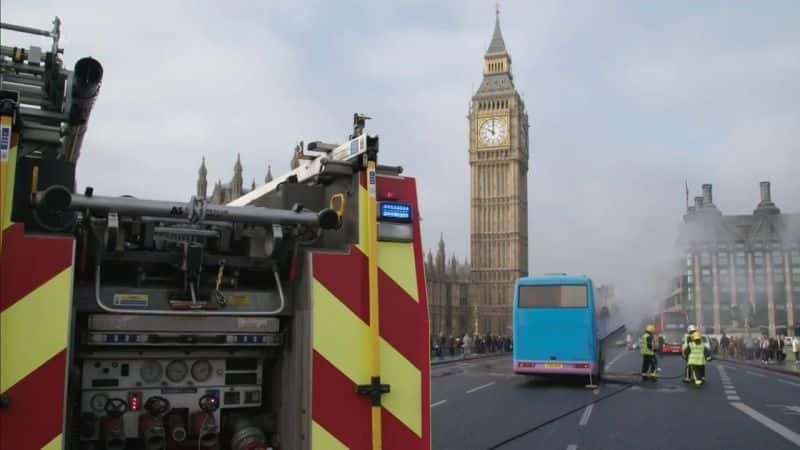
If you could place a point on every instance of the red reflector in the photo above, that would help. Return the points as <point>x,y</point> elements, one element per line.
<point>134,400</point>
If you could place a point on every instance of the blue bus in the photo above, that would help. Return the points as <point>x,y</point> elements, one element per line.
<point>555,327</point>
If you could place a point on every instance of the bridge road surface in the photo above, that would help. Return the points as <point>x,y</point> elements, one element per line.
<point>479,404</point>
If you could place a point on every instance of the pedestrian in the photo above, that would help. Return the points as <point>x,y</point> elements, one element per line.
<point>725,343</point>
<point>696,355</point>
<point>796,349</point>
<point>648,354</point>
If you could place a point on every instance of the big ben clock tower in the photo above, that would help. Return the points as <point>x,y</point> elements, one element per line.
<point>498,160</point>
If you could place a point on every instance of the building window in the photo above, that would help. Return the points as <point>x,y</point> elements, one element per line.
<point>724,277</point>
<point>722,259</point>
<point>777,258</point>
<point>740,259</point>
<point>795,256</point>
<point>777,276</point>
<point>706,275</point>
<point>758,258</point>
<point>705,259</point>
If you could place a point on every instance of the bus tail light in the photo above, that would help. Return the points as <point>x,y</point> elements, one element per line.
<point>525,364</point>
<point>581,366</point>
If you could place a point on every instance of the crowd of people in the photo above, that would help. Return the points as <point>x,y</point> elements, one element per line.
<point>452,346</point>
<point>768,350</point>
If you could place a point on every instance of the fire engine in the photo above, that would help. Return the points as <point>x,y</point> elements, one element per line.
<point>293,318</point>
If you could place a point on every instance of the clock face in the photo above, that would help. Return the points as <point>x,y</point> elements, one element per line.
<point>493,131</point>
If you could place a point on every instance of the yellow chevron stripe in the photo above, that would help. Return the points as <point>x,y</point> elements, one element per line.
<point>34,329</point>
<point>55,444</point>
<point>405,399</point>
<point>339,335</point>
<point>322,440</point>
<point>396,259</point>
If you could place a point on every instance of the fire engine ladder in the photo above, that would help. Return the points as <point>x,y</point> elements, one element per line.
<point>44,104</point>
<point>36,82</point>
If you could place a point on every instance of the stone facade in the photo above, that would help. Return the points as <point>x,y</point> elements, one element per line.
<point>448,295</point>
<point>498,158</point>
<point>740,271</point>
<point>226,192</point>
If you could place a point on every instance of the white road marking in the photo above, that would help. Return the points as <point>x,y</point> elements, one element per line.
<point>440,402</point>
<point>755,374</point>
<point>586,414</point>
<point>730,391</point>
<point>615,359</point>
<point>572,447</point>
<point>789,383</point>
<point>734,398</point>
<point>786,433</point>
<point>480,387</point>
<point>728,386</point>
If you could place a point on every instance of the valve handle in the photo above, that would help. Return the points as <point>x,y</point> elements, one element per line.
<point>116,407</point>
<point>157,405</point>
<point>208,403</point>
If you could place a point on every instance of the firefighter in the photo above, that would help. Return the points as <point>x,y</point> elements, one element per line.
<point>696,355</point>
<point>648,354</point>
<point>691,329</point>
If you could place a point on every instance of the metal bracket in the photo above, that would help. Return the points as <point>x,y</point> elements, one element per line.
<point>374,390</point>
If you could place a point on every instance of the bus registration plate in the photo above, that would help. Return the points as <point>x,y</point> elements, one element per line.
<point>553,365</point>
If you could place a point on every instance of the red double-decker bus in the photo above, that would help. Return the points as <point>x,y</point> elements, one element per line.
<point>670,329</point>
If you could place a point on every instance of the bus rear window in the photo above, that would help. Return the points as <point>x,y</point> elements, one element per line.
<point>552,297</point>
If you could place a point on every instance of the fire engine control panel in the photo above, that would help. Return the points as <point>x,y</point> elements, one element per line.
<point>185,381</point>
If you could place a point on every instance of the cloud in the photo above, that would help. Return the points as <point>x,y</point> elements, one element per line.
<point>626,103</point>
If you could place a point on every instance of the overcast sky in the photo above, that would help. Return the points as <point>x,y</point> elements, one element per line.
<point>626,99</point>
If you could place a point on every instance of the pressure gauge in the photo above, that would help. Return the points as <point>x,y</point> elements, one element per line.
<point>177,371</point>
<point>98,402</point>
<point>201,370</point>
<point>150,371</point>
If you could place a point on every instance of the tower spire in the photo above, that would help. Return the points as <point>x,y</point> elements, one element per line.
<point>497,45</point>
<point>202,180</point>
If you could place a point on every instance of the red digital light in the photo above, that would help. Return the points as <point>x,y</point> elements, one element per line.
<point>134,400</point>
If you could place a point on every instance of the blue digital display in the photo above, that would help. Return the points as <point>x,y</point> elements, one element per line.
<point>395,211</point>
